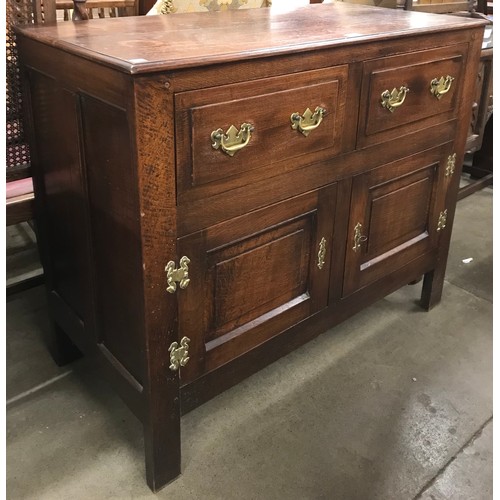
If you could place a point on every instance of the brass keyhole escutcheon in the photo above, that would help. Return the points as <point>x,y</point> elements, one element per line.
<point>358,236</point>
<point>322,253</point>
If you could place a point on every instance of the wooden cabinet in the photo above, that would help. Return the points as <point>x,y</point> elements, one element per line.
<point>204,209</point>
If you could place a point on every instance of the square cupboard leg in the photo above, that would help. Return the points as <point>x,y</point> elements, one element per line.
<point>162,444</point>
<point>60,346</point>
<point>432,288</point>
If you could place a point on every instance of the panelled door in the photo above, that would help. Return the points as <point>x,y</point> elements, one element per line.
<point>396,215</point>
<point>253,277</point>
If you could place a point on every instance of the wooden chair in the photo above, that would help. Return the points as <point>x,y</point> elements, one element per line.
<point>19,187</point>
<point>19,199</point>
<point>99,8</point>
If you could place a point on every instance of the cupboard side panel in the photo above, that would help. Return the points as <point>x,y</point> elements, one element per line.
<point>60,198</point>
<point>115,235</point>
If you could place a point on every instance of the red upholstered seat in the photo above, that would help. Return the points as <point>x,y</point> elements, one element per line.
<point>19,187</point>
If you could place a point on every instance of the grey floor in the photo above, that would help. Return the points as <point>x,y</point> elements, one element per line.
<point>395,403</point>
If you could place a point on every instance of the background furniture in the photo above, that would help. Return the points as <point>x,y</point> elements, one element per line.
<point>223,200</point>
<point>183,6</point>
<point>440,7</point>
<point>100,8</point>
<point>19,185</point>
<point>19,189</point>
<point>480,139</point>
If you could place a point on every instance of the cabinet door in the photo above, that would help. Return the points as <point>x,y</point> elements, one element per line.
<point>253,277</point>
<point>394,216</point>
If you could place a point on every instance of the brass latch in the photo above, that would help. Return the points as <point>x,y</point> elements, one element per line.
<point>450,165</point>
<point>175,275</point>
<point>442,220</point>
<point>179,353</point>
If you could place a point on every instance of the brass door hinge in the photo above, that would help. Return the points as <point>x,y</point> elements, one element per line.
<point>179,353</point>
<point>450,165</point>
<point>175,275</point>
<point>442,220</point>
<point>321,253</point>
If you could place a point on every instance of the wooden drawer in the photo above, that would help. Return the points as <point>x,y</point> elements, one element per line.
<point>383,119</point>
<point>266,105</point>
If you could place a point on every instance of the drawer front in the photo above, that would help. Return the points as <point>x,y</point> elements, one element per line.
<point>404,93</point>
<point>215,151</point>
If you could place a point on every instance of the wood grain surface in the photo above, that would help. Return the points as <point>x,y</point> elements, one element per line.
<point>156,43</point>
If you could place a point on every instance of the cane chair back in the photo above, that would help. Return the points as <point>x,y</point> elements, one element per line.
<point>18,12</point>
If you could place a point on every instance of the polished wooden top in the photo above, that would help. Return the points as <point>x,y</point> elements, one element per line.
<point>155,43</point>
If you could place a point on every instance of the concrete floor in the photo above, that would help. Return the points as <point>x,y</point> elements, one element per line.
<point>395,403</point>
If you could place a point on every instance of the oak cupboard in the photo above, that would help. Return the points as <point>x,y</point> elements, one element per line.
<point>206,207</point>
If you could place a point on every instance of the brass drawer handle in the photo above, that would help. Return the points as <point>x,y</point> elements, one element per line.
<point>394,99</point>
<point>439,87</point>
<point>233,140</point>
<point>358,237</point>
<point>307,122</point>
